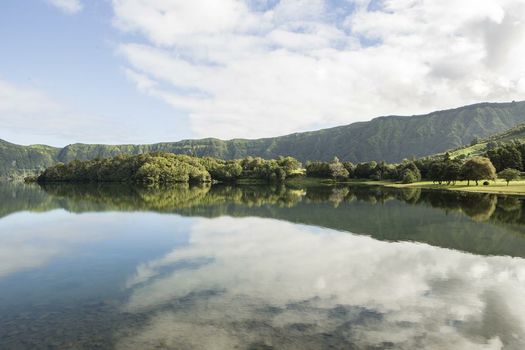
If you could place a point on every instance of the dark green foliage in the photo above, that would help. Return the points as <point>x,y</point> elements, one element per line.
<point>318,169</point>
<point>509,155</point>
<point>447,170</point>
<point>387,138</point>
<point>509,175</point>
<point>408,177</point>
<point>365,170</point>
<point>409,172</point>
<point>333,170</point>
<point>452,171</point>
<point>350,167</point>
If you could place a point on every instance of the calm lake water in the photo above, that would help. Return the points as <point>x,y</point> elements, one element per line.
<point>259,267</point>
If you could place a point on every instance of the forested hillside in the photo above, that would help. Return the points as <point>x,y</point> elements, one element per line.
<point>389,138</point>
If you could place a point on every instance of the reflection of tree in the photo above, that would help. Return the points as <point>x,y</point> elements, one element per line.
<point>479,206</point>
<point>338,195</point>
<point>378,211</point>
<point>98,197</point>
<point>16,197</point>
<point>508,210</point>
<point>167,198</point>
<point>410,195</point>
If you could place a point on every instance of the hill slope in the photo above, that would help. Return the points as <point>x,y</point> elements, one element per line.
<point>515,133</point>
<point>389,138</point>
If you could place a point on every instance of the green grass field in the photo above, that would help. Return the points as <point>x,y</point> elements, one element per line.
<point>500,186</point>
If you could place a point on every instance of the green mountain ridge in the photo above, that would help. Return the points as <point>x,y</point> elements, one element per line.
<point>389,138</point>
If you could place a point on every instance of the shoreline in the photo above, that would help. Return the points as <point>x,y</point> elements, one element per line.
<point>515,188</point>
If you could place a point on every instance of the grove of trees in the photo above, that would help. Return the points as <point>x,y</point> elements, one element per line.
<point>164,168</point>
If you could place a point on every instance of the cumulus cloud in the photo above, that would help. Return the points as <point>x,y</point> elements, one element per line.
<point>243,281</point>
<point>67,6</point>
<point>261,68</point>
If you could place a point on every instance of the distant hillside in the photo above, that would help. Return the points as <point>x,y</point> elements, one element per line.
<point>515,133</point>
<point>389,138</point>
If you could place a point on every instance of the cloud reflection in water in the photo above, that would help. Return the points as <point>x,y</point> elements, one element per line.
<point>258,282</point>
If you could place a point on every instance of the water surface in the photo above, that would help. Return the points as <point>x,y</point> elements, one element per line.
<point>259,267</point>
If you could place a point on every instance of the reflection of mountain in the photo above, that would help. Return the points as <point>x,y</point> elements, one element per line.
<point>477,223</point>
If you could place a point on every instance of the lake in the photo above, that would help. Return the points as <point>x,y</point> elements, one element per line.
<point>259,267</point>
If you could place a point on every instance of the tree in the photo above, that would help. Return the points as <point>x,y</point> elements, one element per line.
<point>365,170</point>
<point>436,172</point>
<point>509,175</point>
<point>408,177</point>
<point>451,171</point>
<point>317,169</point>
<point>350,167</point>
<point>478,168</point>
<point>409,166</point>
<point>289,164</point>
<point>506,156</point>
<point>337,169</point>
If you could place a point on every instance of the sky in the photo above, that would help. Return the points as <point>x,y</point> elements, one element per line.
<point>146,71</point>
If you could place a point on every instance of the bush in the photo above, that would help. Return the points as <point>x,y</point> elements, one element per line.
<point>409,177</point>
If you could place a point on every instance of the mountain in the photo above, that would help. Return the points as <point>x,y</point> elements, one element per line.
<point>390,138</point>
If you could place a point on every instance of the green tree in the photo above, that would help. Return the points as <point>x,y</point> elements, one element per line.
<point>506,156</point>
<point>408,177</point>
<point>337,169</point>
<point>451,171</point>
<point>365,170</point>
<point>318,169</point>
<point>478,168</point>
<point>409,166</point>
<point>350,167</point>
<point>509,175</point>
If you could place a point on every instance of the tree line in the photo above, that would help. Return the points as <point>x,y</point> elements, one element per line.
<point>153,168</point>
<point>439,170</point>
<point>165,168</point>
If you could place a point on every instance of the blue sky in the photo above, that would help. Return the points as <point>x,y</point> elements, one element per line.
<point>137,71</point>
<point>73,59</point>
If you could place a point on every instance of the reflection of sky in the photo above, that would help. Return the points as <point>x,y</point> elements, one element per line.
<point>250,281</point>
<point>62,255</point>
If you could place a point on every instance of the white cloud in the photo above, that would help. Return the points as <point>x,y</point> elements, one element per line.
<point>67,6</point>
<point>245,69</point>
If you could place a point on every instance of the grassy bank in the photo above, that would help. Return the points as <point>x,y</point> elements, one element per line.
<point>498,187</point>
